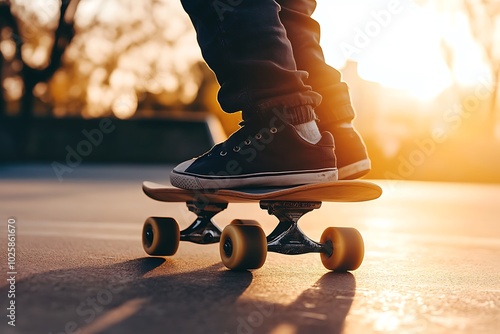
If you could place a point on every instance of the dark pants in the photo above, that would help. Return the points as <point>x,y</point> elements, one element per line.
<point>266,55</point>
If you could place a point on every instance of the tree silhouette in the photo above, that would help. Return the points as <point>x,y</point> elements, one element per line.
<point>484,19</point>
<point>110,58</point>
<point>16,30</point>
<point>8,30</point>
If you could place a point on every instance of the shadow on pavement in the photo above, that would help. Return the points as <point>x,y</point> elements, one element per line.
<point>141,295</point>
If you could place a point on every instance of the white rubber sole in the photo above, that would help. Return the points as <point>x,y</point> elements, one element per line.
<point>270,179</point>
<point>355,170</point>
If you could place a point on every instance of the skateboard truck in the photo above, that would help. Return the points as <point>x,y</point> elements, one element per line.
<point>287,237</point>
<point>203,230</point>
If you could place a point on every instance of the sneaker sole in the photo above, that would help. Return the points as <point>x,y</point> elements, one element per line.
<point>192,181</point>
<point>355,170</point>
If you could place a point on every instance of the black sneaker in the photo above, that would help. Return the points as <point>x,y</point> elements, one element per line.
<point>350,150</point>
<point>260,156</point>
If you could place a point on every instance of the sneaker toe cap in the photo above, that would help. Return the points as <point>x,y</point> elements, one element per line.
<point>183,166</point>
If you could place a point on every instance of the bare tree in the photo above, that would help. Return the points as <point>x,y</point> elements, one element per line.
<point>7,22</point>
<point>484,22</point>
<point>113,57</point>
<point>31,76</point>
<point>484,19</point>
<point>2,99</point>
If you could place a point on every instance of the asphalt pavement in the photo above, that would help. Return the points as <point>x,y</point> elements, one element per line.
<point>432,262</point>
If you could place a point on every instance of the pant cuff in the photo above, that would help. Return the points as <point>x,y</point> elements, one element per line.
<point>296,108</point>
<point>336,104</point>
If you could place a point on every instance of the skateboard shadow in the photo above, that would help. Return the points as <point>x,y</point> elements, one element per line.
<point>144,295</point>
<point>323,307</point>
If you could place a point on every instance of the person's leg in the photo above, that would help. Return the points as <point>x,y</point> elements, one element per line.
<point>246,46</point>
<point>335,112</point>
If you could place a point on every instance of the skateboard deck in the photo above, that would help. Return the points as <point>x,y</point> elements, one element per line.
<point>340,191</point>
<point>243,244</point>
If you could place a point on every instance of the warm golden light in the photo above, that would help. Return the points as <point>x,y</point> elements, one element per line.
<point>8,48</point>
<point>118,57</point>
<point>125,105</point>
<point>13,88</point>
<point>402,45</point>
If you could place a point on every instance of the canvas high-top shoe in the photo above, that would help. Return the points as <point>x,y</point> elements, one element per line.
<point>260,155</point>
<point>350,150</point>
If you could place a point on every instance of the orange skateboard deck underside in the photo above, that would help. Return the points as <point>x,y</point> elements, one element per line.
<point>340,191</point>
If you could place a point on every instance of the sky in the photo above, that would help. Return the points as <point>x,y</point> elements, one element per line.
<point>396,43</point>
<point>399,44</point>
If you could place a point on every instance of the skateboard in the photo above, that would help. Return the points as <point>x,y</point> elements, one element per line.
<point>243,244</point>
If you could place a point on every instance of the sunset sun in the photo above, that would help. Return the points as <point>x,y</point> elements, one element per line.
<point>401,45</point>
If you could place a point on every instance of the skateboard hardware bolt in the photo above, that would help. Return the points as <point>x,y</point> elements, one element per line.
<point>328,247</point>
<point>208,237</point>
<point>149,235</point>
<point>228,247</point>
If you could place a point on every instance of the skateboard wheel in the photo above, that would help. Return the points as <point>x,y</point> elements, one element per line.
<point>243,247</point>
<point>348,248</point>
<point>244,222</point>
<point>160,236</point>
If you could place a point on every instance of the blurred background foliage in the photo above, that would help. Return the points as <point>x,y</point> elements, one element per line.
<point>100,58</point>
<point>421,112</point>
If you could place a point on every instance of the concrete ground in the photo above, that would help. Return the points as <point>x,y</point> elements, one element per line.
<point>432,262</point>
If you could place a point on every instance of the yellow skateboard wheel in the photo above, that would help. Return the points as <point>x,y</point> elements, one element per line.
<point>160,236</point>
<point>243,246</point>
<point>348,248</point>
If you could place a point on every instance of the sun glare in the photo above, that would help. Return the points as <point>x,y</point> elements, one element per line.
<point>401,45</point>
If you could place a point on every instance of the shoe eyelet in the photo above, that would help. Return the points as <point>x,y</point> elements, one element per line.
<point>236,149</point>
<point>223,153</point>
<point>248,142</point>
<point>258,136</point>
<point>274,130</point>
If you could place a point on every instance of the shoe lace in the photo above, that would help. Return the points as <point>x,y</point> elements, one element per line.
<point>248,131</point>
